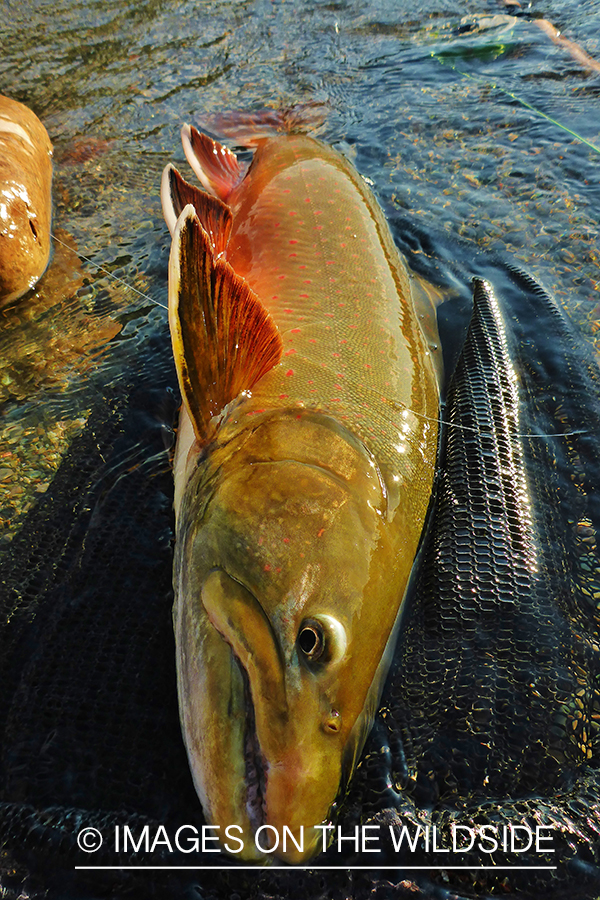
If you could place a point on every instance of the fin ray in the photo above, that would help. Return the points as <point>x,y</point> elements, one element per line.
<point>224,340</point>
<point>217,167</point>
<point>215,216</point>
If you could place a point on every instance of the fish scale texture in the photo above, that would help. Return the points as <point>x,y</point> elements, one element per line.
<point>489,712</point>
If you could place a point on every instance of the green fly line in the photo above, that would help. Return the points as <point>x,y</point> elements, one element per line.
<point>519,100</point>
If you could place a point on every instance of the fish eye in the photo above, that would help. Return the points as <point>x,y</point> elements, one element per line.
<point>311,640</point>
<point>322,639</point>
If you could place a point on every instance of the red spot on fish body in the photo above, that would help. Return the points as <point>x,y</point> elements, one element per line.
<point>289,372</point>
<point>296,330</point>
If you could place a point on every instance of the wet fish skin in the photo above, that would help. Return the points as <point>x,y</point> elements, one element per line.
<point>25,199</point>
<point>300,507</point>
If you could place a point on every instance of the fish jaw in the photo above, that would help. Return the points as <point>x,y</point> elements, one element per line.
<point>212,715</point>
<point>262,755</point>
<point>270,735</point>
<point>294,735</point>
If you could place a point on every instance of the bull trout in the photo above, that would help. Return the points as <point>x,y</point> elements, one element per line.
<point>303,471</point>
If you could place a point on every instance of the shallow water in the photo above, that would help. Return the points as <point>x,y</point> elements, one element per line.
<point>472,124</point>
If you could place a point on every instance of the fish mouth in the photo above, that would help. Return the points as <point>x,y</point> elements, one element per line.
<point>256,766</point>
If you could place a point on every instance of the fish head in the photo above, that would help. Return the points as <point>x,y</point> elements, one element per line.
<point>284,613</point>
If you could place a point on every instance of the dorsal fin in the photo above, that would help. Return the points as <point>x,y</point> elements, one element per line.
<point>223,338</point>
<point>215,216</point>
<point>217,167</point>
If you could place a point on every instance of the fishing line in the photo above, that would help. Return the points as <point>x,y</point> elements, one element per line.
<point>110,274</point>
<point>488,431</point>
<point>473,428</point>
<point>518,99</point>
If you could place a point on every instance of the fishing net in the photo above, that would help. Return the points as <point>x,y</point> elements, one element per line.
<point>490,712</point>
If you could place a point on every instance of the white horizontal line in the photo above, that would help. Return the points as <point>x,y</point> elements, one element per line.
<point>375,868</point>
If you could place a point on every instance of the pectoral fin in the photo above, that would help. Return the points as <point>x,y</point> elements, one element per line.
<point>215,216</point>
<point>223,338</point>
